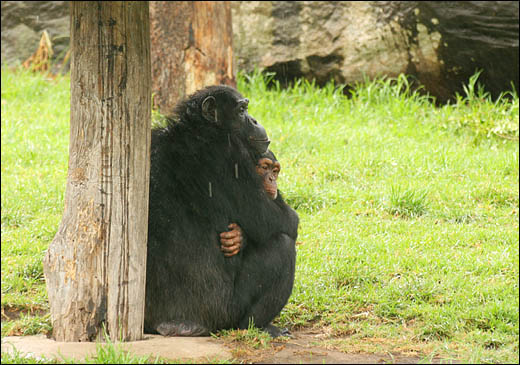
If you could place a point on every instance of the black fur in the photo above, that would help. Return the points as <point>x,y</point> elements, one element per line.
<point>191,288</point>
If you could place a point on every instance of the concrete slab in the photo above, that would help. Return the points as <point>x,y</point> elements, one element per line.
<point>184,348</point>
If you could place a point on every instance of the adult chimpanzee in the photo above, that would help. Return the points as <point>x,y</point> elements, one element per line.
<point>202,180</point>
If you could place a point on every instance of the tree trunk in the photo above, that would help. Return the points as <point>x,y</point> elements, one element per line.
<point>191,46</point>
<point>95,266</point>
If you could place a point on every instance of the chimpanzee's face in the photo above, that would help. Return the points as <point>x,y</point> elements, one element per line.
<point>250,128</point>
<point>229,110</point>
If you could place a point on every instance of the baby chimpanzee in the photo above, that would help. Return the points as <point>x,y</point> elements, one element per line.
<point>268,169</point>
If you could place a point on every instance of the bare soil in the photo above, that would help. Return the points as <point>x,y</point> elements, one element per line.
<point>304,348</point>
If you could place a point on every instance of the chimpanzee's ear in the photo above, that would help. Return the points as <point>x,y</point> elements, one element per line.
<point>209,109</point>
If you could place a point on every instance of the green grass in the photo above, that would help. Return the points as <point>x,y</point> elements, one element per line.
<point>409,211</point>
<point>35,113</point>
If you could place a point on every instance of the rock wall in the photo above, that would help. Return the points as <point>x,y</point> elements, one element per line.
<point>440,43</point>
<point>23,23</point>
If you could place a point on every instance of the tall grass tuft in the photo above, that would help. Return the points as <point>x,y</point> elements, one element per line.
<point>486,118</point>
<point>407,203</point>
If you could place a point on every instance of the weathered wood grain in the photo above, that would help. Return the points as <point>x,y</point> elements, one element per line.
<point>95,266</point>
<point>191,46</point>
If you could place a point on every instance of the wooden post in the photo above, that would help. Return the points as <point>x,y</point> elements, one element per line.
<point>191,44</point>
<point>95,266</point>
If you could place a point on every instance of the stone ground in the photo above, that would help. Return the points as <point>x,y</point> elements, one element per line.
<point>300,349</point>
<point>188,348</point>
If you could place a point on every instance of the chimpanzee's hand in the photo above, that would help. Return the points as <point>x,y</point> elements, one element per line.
<point>231,241</point>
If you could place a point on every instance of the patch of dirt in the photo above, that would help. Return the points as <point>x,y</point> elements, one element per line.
<point>13,313</point>
<point>301,348</point>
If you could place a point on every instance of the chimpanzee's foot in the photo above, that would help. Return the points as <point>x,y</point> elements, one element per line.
<point>182,328</point>
<point>275,331</point>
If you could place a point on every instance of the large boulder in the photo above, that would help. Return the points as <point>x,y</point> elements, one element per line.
<point>440,43</point>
